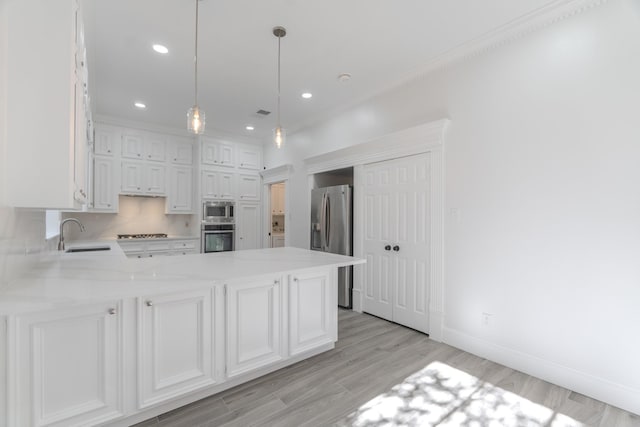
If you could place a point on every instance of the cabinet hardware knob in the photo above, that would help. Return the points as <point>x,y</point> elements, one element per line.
<point>108,151</point>
<point>150,255</point>
<point>295,279</point>
<point>112,311</point>
<point>108,205</point>
<point>139,256</point>
<point>387,248</point>
<point>276,282</point>
<point>149,303</point>
<point>396,248</point>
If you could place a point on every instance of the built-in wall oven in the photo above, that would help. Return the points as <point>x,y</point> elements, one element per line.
<point>217,237</point>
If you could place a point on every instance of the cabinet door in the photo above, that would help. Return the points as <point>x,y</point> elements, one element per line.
<point>249,187</point>
<point>154,182</point>
<point>248,226</point>
<point>208,151</point>
<point>254,325</point>
<point>105,195</point>
<point>312,306</point>
<point>181,153</point>
<point>226,153</point>
<point>175,345</point>
<point>155,147</point>
<point>226,185</point>
<point>180,197</point>
<point>250,158</point>
<point>105,142</point>
<point>132,176</point>
<point>69,366</point>
<point>132,146</point>
<point>209,184</point>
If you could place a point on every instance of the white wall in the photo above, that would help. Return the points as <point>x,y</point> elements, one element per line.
<point>543,164</point>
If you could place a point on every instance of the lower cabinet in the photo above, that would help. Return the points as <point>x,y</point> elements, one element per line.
<point>100,363</point>
<point>175,345</point>
<point>254,325</point>
<point>68,366</point>
<point>312,311</point>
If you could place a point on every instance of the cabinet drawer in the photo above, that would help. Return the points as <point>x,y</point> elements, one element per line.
<point>158,246</point>
<point>132,247</point>
<point>188,244</point>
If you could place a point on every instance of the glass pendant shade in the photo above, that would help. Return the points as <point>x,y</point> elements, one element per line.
<point>195,120</point>
<point>279,136</point>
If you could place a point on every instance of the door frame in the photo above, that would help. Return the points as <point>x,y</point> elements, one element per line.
<point>424,138</point>
<point>271,176</point>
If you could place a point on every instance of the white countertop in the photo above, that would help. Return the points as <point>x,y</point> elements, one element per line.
<point>61,279</point>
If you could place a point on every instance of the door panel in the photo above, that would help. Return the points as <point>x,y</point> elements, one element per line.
<point>396,217</point>
<point>175,345</point>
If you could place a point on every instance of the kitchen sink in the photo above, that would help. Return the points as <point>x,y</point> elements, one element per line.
<point>88,249</point>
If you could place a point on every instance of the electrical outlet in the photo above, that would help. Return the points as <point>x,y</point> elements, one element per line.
<point>486,318</point>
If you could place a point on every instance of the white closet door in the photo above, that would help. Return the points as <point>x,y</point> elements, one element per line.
<point>396,241</point>
<point>378,195</point>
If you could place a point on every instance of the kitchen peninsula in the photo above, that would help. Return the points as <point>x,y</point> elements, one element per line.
<point>94,338</point>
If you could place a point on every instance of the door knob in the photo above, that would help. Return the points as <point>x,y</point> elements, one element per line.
<point>396,248</point>
<point>387,248</point>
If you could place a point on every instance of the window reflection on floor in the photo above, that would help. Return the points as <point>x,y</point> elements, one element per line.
<point>440,395</point>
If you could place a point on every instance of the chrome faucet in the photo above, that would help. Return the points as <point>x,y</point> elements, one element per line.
<point>62,223</point>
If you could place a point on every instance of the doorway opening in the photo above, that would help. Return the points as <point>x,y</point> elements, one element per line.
<point>277,207</point>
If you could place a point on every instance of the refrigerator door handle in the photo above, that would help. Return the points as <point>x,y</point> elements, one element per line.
<point>328,221</point>
<point>322,222</point>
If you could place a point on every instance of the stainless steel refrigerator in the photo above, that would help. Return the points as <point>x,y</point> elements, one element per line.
<point>332,231</point>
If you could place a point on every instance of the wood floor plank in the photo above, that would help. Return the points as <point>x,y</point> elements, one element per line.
<point>371,357</point>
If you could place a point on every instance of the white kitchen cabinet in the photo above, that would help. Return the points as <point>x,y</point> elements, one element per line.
<point>149,248</point>
<point>250,157</point>
<point>248,234</point>
<point>141,145</point>
<point>277,241</point>
<point>217,153</point>
<point>105,190</point>
<point>142,178</point>
<point>254,325</point>
<point>175,345</point>
<point>46,129</point>
<point>106,141</point>
<point>248,187</point>
<point>181,152</point>
<point>180,194</point>
<point>216,184</point>
<point>277,199</point>
<point>69,367</point>
<point>312,310</point>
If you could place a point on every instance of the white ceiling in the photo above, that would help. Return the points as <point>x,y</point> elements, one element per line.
<point>379,42</point>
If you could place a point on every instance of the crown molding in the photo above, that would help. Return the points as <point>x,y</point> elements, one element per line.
<point>407,142</point>
<point>277,174</point>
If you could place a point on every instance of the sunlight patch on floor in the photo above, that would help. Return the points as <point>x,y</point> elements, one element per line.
<point>440,395</point>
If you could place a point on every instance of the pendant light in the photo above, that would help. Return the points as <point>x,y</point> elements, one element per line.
<point>279,134</point>
<point>195,116</point>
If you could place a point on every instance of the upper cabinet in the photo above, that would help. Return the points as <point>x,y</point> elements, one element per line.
<point>107,141</point>
<point>47,105</point>
<point>144,146</point>
<point>250,157</point>
<point>217,153</point>
<point>181,152</point>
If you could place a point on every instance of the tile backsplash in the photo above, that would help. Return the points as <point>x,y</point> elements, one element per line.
<point>136,215</point>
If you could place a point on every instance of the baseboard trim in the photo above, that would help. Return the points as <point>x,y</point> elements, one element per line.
<point>615,394</point>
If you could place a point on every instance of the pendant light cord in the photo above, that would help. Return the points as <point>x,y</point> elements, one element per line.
<point>279,38</point>
<point>196,56</point>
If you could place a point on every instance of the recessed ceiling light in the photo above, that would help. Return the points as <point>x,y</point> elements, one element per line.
<point>140,105</point>
<point>307,95</point>
<point>160,49</point>
<point>249,127</point>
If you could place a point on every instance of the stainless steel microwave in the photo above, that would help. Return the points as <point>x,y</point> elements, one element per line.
<point>218,212</point>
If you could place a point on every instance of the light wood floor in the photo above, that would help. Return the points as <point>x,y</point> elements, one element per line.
<point>416,382</point>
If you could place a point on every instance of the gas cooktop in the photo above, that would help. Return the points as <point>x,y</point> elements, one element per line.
<point>142,236</point>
